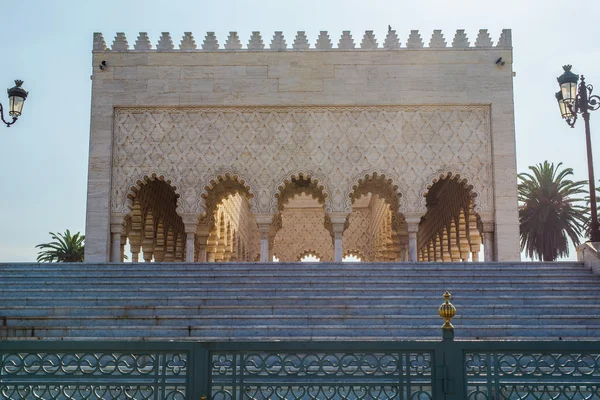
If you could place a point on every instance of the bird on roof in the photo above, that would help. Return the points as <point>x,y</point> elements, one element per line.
<point>389,28</point>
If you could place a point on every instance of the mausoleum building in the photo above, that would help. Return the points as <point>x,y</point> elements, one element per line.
<point>248,151</point>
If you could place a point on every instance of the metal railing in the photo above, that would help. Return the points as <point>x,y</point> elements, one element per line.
<point>407,370</point>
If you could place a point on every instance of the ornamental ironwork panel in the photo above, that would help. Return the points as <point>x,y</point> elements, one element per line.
<point>532,375</point>
<point>322,375</point>
<point>94,375</point>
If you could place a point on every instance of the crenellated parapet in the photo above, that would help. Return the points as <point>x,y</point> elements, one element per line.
<point>346,42</point>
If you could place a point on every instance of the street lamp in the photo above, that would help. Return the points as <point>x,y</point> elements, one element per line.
<point>574,99</point>
<point>16,98</point>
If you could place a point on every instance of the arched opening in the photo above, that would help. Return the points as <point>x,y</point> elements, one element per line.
<point>309,256</point>
<point>353,256</point>
<point>301,220</point>
<point>153,230</point>
<point>450,230</point>
<point>376,229</point>
<point>227,230</point>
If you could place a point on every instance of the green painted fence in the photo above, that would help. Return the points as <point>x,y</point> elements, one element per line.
<point>412,370</point>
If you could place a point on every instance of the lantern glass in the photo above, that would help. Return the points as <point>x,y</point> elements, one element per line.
<point>16,97</point>
<point>569,91</point>
<point>568,85</point>
<point>565,112</point>
<point>15,106</point>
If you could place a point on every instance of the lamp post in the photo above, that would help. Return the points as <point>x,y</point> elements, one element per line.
<point>16,98</point>
<point>574,99</point>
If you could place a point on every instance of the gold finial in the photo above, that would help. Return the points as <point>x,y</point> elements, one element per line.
<point>447,311</point>
<point>203,397</point>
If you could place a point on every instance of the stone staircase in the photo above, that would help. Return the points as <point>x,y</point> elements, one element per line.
<point>299,301</point>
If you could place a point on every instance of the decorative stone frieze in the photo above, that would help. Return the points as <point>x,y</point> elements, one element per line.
<point>187,42</point>
<point>143,42</point>
<point>256,42</point>
<point>437,40</point>
<point>460,39</point>
<point>323,41</point>
<point>165,43</point>
<point>392,42</point>
<point>483,39</point>
<point>301,41</point>
<point>278,41</point>
<point>409,145</point>
<point>99,43</point>
<point>120,43</point>
<point>505,38</point>
<point>210,42</point>
<point>346,42</point>
<point>414,40</point>
<point>233,42</point>
<point>369,41</point>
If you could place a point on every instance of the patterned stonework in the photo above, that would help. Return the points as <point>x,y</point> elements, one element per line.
<point>412,145</point>
<point>303,231</point>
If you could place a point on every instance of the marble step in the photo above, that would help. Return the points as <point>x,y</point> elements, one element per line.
<point>46,273</point>
<point>520,265</point>
<point>283,332</point>
<point>91,281</point>
<point>292,309</point>
<point>264,291</point>
<point>286,299</point>
<point>204,269</point>
<point>301,321</point>
<point>296,301</point>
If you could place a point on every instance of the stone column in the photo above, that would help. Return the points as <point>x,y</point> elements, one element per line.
<point>123,242</point>
<point>474,237</point>
<point>488,241</point>
<point>271,243</point>
<point>474,254</point>
<point>116,231</point>
<point>338,222</point>
<point>412,221</point>
<point>190,223</point>
<point>263,220</point>
<point>115,253</point>
<point>202,233</point>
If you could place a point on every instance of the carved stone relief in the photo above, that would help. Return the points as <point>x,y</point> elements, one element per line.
<point>411,145</point>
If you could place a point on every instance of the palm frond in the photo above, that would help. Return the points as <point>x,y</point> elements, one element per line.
<point>549,211</point>
<point>64,248</point>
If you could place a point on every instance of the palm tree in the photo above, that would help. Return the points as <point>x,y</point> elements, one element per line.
<point>64,248</point>
<point>548,211</point>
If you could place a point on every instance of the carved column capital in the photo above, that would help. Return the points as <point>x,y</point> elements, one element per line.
<point>488,226</point>
<point>338,221</point>
<point>190,222</point>
<point>117,222</point>
<point>264,219</point>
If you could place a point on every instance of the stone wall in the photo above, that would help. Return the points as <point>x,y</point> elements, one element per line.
<point>412,113</point>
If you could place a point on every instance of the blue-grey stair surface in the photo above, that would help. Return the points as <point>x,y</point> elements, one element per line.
<point>297,301</point>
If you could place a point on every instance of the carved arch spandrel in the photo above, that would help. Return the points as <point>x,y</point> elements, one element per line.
<point>227,183</point>
<point>460,177</point>
<point>285,190</point>
<point>142,180</point>
<point>383,184</point>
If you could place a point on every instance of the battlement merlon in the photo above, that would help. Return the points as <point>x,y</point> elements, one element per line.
<point>300,42</point>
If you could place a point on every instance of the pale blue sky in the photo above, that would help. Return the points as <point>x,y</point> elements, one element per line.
<point>48,45</point>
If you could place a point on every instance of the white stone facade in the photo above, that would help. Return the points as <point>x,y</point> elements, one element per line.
<point>266,117</point>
